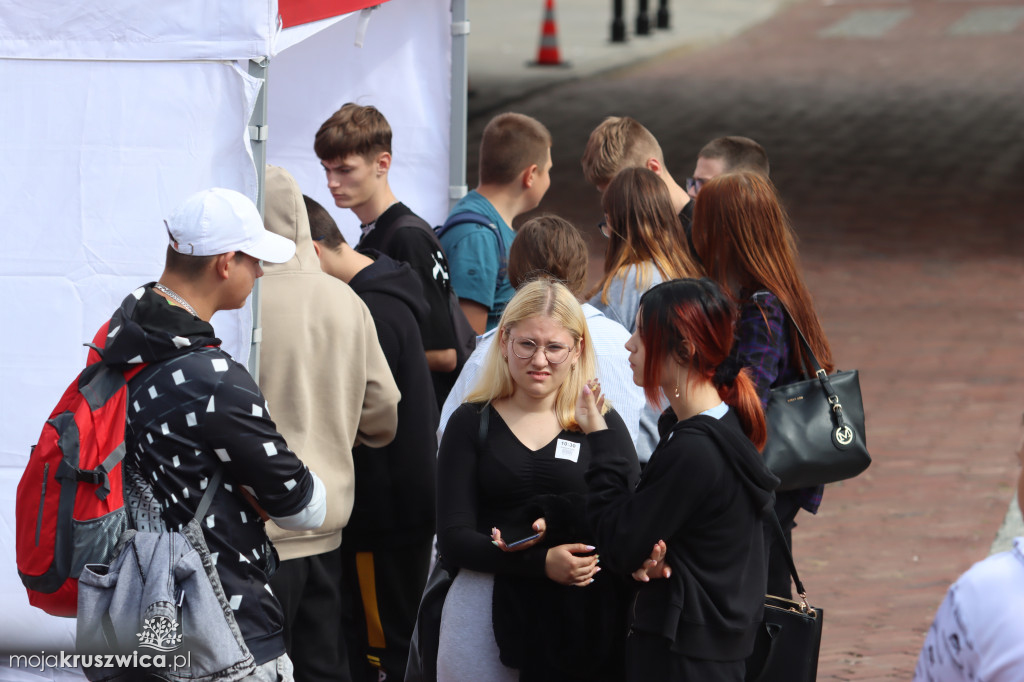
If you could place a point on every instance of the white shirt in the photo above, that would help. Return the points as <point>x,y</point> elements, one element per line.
<point>978,631</point>
<point>609,339</point>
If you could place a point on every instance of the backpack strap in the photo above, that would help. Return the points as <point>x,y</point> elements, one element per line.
<point>403,221</point>
<point>98,383</point>
<point>465,217</point>
<point>485,422</point>
<point>208,495</point>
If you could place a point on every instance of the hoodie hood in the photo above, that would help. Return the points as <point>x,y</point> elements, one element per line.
<point>744,458</point>
<point>285,214</point>
<point>148,328</point>
<point>392,278</point>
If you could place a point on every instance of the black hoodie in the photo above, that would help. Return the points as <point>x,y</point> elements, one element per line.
<point>394,501</point>
<point>194,410</point>
<point>706,493</point>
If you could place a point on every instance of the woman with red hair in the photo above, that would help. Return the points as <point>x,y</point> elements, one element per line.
<point>744,239</point>
<point>702,500</point>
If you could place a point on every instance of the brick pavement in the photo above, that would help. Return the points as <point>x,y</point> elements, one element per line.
<point>901,159</point>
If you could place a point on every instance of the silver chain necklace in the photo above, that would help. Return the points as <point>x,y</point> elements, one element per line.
<point>176,298</point>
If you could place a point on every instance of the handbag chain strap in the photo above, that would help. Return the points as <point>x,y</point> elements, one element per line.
<point>781,536</point>
<point>842,434</point>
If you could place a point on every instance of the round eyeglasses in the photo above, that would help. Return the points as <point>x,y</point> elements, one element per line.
<point>556,353</point>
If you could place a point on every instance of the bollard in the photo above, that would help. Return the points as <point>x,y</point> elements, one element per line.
<point>618,24</point>
<point>663,16</point>
<point>643,19</point>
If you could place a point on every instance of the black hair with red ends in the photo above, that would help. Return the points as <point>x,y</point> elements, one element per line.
<point>693,321</point>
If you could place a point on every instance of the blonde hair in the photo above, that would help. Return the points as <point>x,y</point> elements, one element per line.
<point>618,142</point>
<point>548,298</point>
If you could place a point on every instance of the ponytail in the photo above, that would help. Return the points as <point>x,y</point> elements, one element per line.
<point>693,322</point>
<point>740,395</point>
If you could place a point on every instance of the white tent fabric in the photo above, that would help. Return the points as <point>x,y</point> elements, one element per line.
<point>104,151</point>
<point>130,30</point>
<point>403,69</point>
<point>114,112</point>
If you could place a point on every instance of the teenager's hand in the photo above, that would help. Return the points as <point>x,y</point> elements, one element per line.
<point>654,566</point>
<point>588,408</point>
<point>565,568</point>
<point>539,526</point>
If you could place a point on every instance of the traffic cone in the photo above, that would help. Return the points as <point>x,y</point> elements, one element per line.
<point>547,53</point>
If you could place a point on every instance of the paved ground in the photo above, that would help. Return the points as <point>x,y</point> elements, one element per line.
<point>504,40</point>
<point>894,130</point>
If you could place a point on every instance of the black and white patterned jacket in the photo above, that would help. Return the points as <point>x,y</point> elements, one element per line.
<point>192,410</point>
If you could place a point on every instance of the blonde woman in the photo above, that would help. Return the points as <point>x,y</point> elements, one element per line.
<point>511,466</point>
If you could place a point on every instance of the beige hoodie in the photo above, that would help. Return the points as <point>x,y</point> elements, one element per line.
<point>322,371</point>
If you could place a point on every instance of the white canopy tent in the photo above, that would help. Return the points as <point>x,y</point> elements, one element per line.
<point>113,113</point>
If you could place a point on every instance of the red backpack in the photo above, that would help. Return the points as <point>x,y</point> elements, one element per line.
<point>69,509</point>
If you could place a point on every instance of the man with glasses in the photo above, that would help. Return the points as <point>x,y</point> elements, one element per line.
<point>726,155</point>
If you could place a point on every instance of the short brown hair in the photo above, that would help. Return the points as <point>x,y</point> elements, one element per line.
<point>353,129</point>
<point>511,143</point>
<point>737,153</point>
<point>322,227</point>
<point>618,142</point>
<point>190,267</point>
<point>549,245</point>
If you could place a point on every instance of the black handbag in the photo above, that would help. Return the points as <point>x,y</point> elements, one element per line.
<point>816,428</point>
<point>426,635</point>
<point>789,640</point>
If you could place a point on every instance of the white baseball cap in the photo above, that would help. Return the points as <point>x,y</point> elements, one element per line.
<point>218,220</point>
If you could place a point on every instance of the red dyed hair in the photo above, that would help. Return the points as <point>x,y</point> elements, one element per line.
<point>744,239</point>
<point>693,321</point>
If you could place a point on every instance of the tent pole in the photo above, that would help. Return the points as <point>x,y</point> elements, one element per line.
<point>460,81</point>
<point>258,139</point>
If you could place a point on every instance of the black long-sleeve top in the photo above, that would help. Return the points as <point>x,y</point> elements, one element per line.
<point>496,484</point>
<point>705,492</point>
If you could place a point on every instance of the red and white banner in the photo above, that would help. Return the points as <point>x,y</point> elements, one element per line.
<point>295,12</point>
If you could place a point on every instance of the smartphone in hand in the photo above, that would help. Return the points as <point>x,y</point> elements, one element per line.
<point>517,543</point>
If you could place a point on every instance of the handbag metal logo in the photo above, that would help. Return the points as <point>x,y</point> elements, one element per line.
<point>844,435</point>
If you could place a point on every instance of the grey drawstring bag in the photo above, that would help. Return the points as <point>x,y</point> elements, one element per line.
<point>158,610</point>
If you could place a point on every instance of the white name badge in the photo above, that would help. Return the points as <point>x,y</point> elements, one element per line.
<point>566,449</point>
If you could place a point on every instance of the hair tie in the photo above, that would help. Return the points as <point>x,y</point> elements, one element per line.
<point>727,372</point>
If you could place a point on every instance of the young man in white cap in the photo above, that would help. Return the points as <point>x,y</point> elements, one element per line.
<point>194,410</point>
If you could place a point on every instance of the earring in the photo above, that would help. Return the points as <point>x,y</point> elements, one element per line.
<point>677,391</point>
<point>572,367</point>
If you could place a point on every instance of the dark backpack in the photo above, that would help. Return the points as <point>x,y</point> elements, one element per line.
<point>465,335</point>
<point>69,508</point>
<point>463,330</point>
<point>464,217</point>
